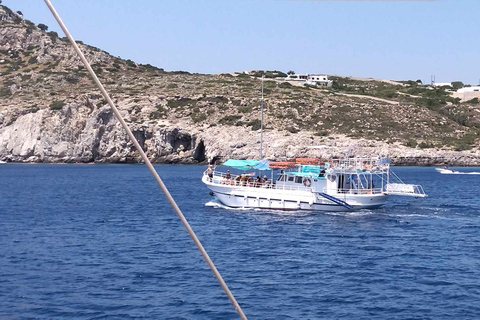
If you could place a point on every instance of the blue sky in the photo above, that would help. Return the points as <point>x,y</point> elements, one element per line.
<point>380,39</point>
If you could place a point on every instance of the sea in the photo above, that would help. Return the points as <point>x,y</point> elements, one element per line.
<point>102,242</point>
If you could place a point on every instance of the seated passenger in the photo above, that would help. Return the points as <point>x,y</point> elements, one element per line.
<point>265,181</point>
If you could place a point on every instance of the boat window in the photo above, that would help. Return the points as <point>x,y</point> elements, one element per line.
<point>281,178</point>
<point>298,179</point>
<point>290,178</point>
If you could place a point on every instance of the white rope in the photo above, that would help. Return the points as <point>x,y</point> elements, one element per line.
<point>149,165</point>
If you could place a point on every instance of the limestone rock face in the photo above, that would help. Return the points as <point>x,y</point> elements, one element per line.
<point>77,134</point>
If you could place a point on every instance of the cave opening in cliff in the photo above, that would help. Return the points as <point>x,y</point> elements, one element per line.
<point>199,153</point>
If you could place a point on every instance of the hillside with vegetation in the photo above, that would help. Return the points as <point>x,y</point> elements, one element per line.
<point>50,110</point>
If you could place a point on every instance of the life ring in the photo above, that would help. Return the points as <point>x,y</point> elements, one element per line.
<point>307,182</point>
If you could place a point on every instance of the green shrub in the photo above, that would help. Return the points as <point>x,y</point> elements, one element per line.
<point>243,75</point>
<point>268,74</point>
<point>410,143</point>
<point>179,72</point>
<point>472,101</point>
<point>255,124</point>
<point>198,117</point>
<point>245,109</point>
<point>29,23</point>
<point>131,64</point>
<point>285,85</point>
<point>42,27</point>
<point>215,99</point>
<point>181,102</point>
<point>56,105</point>
<point>292,129</point>
<point>425,145</point>
<point>5,92</point>
<point>321,133</point>
<point>457,85</point>
<point>53,35</point>
<point>73,79</point>
<point>230,119</point>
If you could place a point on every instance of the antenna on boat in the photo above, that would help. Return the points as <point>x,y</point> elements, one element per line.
<point>261,124</point>
<point>149,164</point>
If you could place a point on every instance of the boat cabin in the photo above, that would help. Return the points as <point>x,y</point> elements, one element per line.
<point>307,176</point>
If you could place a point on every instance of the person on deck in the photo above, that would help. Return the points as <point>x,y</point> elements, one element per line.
<point>265,181</point>
<point>228,178</point>
<point>209,172</point>
<point>258,182</point>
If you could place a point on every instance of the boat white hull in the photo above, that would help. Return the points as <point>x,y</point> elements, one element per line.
<point>278,199</point>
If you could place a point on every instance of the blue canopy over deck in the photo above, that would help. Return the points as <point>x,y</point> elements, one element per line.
<point>247,164</point>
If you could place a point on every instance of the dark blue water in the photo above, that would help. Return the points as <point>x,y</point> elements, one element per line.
<point>100,241</point>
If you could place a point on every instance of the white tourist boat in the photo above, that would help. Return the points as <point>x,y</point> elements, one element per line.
<point>308,184</point>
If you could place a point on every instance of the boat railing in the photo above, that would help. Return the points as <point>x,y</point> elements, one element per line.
<point>359,191</point>
<point>403,189</point>
<point>220,178</point>
<point>364,164</point>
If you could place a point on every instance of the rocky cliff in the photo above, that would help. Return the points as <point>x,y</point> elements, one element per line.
<point>50,111</point>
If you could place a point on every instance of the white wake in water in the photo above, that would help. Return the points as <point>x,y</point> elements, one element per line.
<point>217,204</point>
<point>459,172</point>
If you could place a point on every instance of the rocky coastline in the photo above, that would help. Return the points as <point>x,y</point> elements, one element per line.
<point>78,134</point>
<point>50,112</point>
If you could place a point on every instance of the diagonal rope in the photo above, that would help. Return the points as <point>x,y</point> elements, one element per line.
<point>149,165</point>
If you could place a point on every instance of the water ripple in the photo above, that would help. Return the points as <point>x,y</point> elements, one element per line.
<point>71,250</point>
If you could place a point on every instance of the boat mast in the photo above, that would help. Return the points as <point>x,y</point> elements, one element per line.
<point>261,124</point>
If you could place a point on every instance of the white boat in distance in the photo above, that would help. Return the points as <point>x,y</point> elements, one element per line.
<point>446,170</point>
<point>308,184</point>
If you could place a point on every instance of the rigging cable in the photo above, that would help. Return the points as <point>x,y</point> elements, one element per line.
<point>149,165</point>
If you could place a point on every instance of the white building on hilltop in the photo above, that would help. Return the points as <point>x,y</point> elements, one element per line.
<point>442,84</point>
<point>311,79</point>
<point>469,89</point>
<point>467,93</point>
